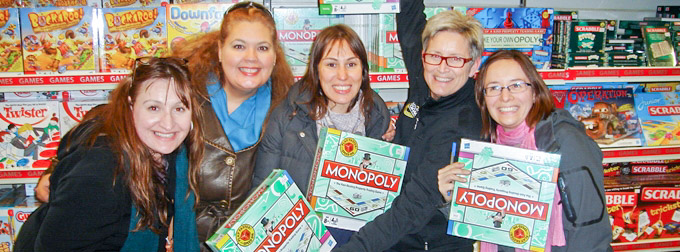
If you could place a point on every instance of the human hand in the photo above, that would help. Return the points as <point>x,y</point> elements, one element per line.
<point>42,190</point>
<point>391,131</point>
<point>447,176</point>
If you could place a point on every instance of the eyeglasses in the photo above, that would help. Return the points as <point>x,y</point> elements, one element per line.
<point>453,61</point>
<point>496,90</point>
<point>145,61</point>
<point>248,4</point>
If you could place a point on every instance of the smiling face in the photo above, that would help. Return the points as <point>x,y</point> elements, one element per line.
<point>508,109</point>
<point>161,120</point>
<point>442,79</point>
<point>247,56</point>
<point>340,74</point>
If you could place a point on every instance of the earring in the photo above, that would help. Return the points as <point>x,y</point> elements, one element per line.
<point>192,126</point>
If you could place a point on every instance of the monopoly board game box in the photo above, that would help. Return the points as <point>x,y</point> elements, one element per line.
<point>354,178</point>
<point>58,40</point>
<point>275,217</point>
<point>644,211</point>
<point>11,61</point>
<point>508,197</point>
<point>129,33</point>
<point>659,114</point>
<point>186,21</point>
<point>30,136</point>
<point>358,6</point>
<point>608,115</point>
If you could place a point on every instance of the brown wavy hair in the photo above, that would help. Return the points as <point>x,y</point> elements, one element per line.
<point>202,52</point>
<point>325,40</point>
<point>141,174</point>
<point>543,102</point>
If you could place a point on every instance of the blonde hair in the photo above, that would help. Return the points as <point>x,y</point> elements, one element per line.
<point>454,21</point>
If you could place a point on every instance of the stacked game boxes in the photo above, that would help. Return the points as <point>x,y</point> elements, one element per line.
<point>11,59</point>
<point>666,11</point>
<point>358,7</point>
<point>659,114</point>
<point>586,43</point>
<point>354,178</point>
<point>561,27</point>
<point>58,40</point>
<point>642,167</point>
<point>275,217</point>
<point>185,21</point>
<point>528,30</point>
<point>508,196</point>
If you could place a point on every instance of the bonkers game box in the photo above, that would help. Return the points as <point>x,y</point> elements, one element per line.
<point>608,115</point>
<point>354,178</point>
<point>188,20</point>
<point>659,114</point>
<point>275,217</point>
<point>11,61</point>
<point>129,33</point>
<point>508,197</point>
<point>29,137</point>
<point>528,30</point>
<point>58,40</point>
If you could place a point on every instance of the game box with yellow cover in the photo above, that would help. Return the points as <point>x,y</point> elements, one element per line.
<point>186,21</point>
<point>58,40</point>
<point>130,33</point>
<point>11,61</point>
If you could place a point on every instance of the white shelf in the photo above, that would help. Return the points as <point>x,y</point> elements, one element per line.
<point>633,154</point>
<point>19,181</point>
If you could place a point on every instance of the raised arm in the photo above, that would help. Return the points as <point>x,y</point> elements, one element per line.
<point>410,24</point>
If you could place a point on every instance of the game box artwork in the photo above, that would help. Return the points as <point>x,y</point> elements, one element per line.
<point>275,217</point>
<point>58,40</point>
<point>354,178</point>
<point>130,33</point>
<point>133,3</point>
<point>72,112</point>
<point>508,197</point>
<point>186,21</point>
<point>29,136</point>
<point>608,115</point>
<point>358,6</point>
<point>60,3</point>
<point>11,61</point>
<point>659,114</point>
<point>528,30</point>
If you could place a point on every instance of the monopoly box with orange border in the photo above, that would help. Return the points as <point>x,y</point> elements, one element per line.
<point>643,209</point>
<point>508,196</point>
<point>354,178</point>
<point>275,217</point>
<point>58,40</point>
<point>130,33</point>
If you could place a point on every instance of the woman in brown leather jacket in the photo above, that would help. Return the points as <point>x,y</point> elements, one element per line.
<point>243,73</point>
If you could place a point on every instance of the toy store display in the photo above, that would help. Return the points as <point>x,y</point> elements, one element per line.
<point>11,59</point>
<point>185,21</point>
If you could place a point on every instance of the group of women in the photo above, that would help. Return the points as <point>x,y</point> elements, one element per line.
<point>184,139</point>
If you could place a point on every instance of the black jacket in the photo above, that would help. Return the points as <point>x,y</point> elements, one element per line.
<point>429,128</point>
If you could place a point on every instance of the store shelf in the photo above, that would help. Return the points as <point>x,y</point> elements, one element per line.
<point>9,176</point>
<point>30,83</point>
<point>668,244</point>
<point>610,74</point>
<point>633,154</point>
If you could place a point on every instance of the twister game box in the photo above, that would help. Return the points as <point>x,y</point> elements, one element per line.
<point>129,33</point>
<point>508,197</point>
<point>275,217</point>
<point>58,40</point>
<point>354,178</point>
<point>72,112</point>
<point>29,134</point>
<point>528,30</point>
<point>609,115</point>
<point>11,61</point>
<point>659,114</point>
<point>188,20</point>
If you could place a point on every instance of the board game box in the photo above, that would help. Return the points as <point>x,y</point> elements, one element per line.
<point>659,114</point>
<point>72,112</point>
<point>186,21</point>
<point>658,46</point>
<point>133,3</point>
<point>609,115</point>
<point>508,197</point>
<point>11,60</point>
<point>58,40</point>
<point>358,6</point>
<point>29,137</point>
<point>585,45</point>
<point>275,217</point>
<point>129,33</point>
<point>354,178</point>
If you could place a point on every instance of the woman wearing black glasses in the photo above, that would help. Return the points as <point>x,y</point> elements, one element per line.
<point>126,175</point>
<point>242,72</point>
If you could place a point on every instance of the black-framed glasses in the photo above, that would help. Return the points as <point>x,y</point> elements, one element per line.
<point>248,4</point>
<point>145,61</point>
<point>453,61</point>
<point>496,90</point>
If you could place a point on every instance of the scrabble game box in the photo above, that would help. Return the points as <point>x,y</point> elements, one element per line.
<point>11,61</point>
<point>585,46</point>
<point>358,6</point>
<point>658,46</point>
<point>186,21</point>
<point>58,40</point>
<point>508,197</point>
<point>354,178</point>
<point>659,114</point>
<point>275,217</point>
<point>609,115</point>
<point>29,137</point>
<point>129,33</point>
